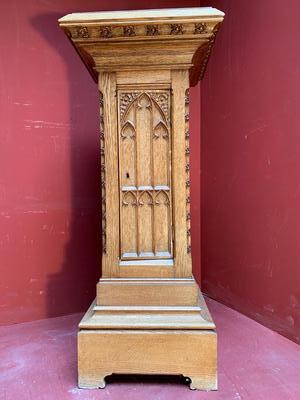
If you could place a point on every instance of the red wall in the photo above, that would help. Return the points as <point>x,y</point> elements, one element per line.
<point>251,163</point>
<point>49,175</point>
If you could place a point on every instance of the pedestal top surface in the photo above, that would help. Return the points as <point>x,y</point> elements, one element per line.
<point>190,12</point>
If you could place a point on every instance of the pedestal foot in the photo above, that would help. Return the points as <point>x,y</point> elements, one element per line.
<point>200,383</point>
<point>98,383</point>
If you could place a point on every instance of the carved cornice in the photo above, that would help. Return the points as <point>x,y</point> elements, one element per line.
<point>181,41</point>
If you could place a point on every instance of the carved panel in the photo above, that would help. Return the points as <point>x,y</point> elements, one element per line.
<point>144,170</point>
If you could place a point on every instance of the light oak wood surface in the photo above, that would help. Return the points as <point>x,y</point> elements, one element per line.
<point>177,352</point>
<point>149,315</point>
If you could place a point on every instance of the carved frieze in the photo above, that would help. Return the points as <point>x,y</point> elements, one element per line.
<point>111,31</point>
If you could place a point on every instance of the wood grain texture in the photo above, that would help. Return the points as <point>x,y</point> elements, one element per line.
<point>131,268</point>
<point>147,292</point>
<point>107,86</point>
<point>183,258</point>
<point>177,352</point>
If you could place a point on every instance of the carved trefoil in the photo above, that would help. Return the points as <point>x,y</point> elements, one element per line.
<point>144,170</point>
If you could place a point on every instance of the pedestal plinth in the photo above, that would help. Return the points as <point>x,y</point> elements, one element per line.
<point>149,316</point>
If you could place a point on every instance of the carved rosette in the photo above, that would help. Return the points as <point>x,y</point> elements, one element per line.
<point>129,30</point>
<point>176,29</point>
<point>102,161</point>
<point>187,170</point>
<point>81,32</point>
<point>152,30</point>
<point>106,32</point>
<point>200,28</point>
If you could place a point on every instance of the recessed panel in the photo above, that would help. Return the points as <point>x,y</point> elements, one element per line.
<point>145,171</point>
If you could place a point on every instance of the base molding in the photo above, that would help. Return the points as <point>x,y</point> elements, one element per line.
<point>191,353</point>
<point>148,317</point>
<point>147,291</point>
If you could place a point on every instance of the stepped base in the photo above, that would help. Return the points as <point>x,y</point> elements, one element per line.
<point>178,340</point>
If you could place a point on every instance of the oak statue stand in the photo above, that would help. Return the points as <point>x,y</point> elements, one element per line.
<point>149,316</point>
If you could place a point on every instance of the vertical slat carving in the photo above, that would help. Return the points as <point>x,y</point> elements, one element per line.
<point>162,230</point>
<point>144,141</point>
<point>129,219</point>
<point>128,154</point>
<point>161,153</point>
<point>145,218</point>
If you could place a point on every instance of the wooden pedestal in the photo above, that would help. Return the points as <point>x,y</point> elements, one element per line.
<point>149,316</point>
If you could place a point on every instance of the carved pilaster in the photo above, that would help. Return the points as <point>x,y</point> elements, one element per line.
<point>187,170</point>
<point>102,162</point>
